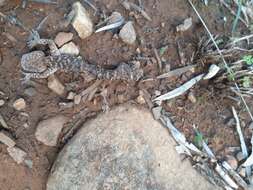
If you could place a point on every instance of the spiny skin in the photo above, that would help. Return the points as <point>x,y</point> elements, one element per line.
<point>37,65</point>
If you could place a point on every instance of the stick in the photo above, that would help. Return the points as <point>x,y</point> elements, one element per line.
<point>243,145</point>
<point>158,59</point>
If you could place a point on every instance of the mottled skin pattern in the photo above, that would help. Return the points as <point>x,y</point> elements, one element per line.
<point>37,65</point>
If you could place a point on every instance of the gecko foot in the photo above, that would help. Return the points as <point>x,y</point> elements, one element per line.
<point>33,39</point>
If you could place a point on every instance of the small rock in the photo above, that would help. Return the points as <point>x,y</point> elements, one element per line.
<point>48,130</point>
<point>65,105</point>
<point>6,140</point>
<point>2,102</point>
<point>25,125</point>
<point>121,98</point>
<point>157,112</point>
<point>157,93</point>
<point>185,26</point>
<point>192,97</point>
<point>70,48</point>
<point>17,154</point>
<point>127,33</point>
<point>71,96</point>
<point>138,51</point>
<point>231,160</point>
<point>55,85</point>
<point>19,104</point>
<point>30,91</point>
<point>242,172</point>
<point>140,99</point>
<point>162,24</point>
<point>77,99</point>
<point>62,38</point>
<point>239,156</point>
<point>29,163</point>
<point>81,22</point>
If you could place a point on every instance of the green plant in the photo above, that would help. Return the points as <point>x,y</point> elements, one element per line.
<point>198,139</point>
<point>231,76</point>
<point>246,82</point>
<point>248,59</point>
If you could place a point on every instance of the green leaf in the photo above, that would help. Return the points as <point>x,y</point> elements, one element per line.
<point>198,139</point>
<point>246,82</point>
<point>231,77</point>
<point>163,50</point>
<point>248,59</point>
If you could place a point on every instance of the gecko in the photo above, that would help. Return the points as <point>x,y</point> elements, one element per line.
<point>36,64</point>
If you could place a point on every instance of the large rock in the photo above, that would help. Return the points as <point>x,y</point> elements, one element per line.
<point>81,21</point>
<point>48,130</point>
<point>123,149</point>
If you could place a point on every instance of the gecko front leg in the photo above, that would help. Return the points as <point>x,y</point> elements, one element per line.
<point>34,40</point>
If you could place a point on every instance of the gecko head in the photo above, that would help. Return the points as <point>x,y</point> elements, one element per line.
<point>33,62</point>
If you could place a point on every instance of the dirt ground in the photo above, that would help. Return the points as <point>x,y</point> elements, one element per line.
<point>210,113</point>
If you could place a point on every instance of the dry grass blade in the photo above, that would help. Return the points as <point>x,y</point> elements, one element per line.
<point>3,123</point>
<point>91,88</point>
<point>233,12</point>
<point>180,90</point>
<point>226,177</point>
<point>177,72</point>
<point>158,59</point>
<point>235,175</point>
<point>242,141</point>
<point>222,58</point>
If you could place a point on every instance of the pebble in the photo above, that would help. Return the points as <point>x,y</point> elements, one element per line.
<point>25,125</point>
<point>71,96</point>
<point>19,104</point>
<point>81,22</point>
<point>185,26</point>
<point>29,163</point>
<point>242,172</point>
<point>140,99</point>
<point>69,48</point>
<point>62,38</point>
<point>231,160</point>
<point>6,140</point>
<point>77,99</point>
<point>30,91</point>
<point>192,97</point>
<point>49,130</point>
<point>157,93</point>
<point>239,156</point>
<point>121,98</point>
<point>2,102</point>
<point>65,105</point>
<point>55,85</point>
<point>127,33</point>
<point>17,154</point>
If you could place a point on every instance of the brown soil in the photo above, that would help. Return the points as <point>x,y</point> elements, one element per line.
<point>210,113</point>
